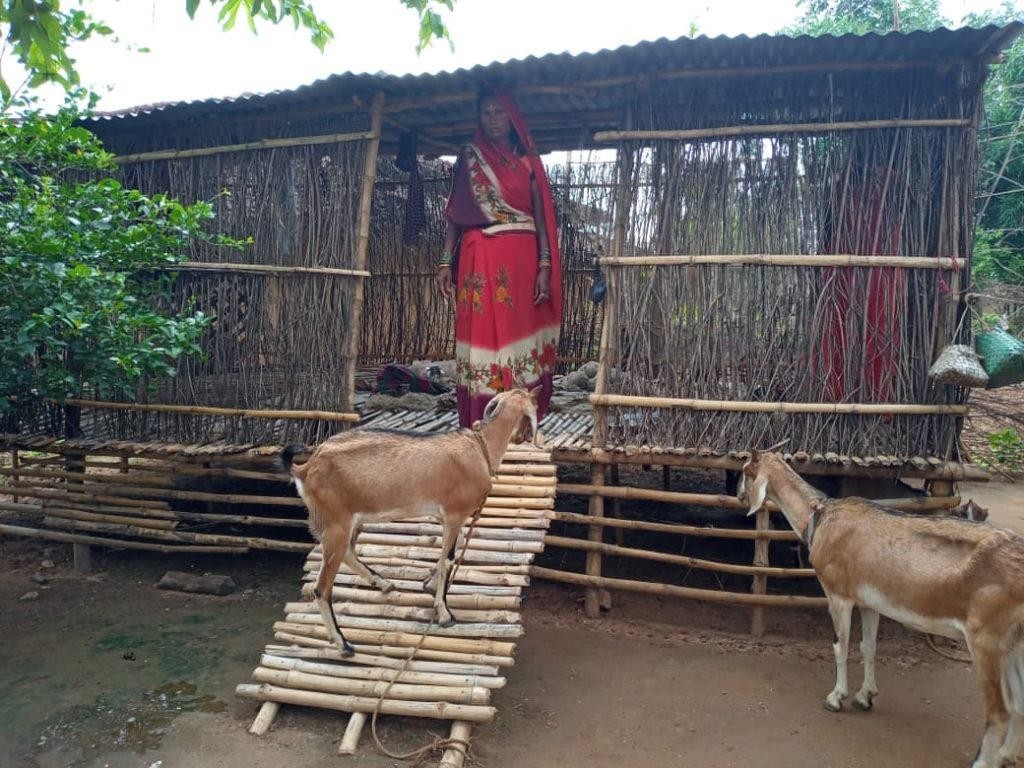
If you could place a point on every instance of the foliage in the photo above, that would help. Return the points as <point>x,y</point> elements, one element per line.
<point>840,17</point>
<point>39,32</point>
<point>1007,449</point>
<point>82,268</point>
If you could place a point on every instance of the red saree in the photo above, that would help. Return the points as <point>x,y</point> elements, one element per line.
<point>502,340</point>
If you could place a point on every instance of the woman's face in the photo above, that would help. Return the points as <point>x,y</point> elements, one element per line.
<point>494,119</point>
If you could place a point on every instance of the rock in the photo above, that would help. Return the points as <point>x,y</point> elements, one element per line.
<point>589,369</point>
<point>210,584</point>
<point>29,596</point>
<point>39,578</point>
<point>47,564</point>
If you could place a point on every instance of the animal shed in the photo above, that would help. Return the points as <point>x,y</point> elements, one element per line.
<point>784,223</point>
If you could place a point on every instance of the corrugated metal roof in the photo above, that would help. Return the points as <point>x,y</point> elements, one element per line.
<point>566,72</point>
<point>722,52</point>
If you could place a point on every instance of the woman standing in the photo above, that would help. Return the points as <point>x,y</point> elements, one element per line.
<point>508,291</point>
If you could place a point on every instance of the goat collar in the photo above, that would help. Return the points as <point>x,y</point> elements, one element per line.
<point>812,523</point>
<point>478,436</point>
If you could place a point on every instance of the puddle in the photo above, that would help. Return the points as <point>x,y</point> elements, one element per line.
<point>87,731</point>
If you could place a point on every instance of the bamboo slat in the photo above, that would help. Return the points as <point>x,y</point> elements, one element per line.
<point>296,141</point>
<point>787,260</point>
<point>761,407</point>
<point>263,269</point>
<point>776,128</point>
<point>243,413</point>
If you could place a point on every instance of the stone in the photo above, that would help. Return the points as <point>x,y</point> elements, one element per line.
<point>209,584</point>
<point>29,596</point>
<point>39,578</point>
<point>47,564</point>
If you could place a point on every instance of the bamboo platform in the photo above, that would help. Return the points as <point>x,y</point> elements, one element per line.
<point>452,671</point>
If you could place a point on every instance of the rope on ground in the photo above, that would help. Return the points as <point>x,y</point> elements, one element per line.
<point>440,743</point>
<point>963,657</point>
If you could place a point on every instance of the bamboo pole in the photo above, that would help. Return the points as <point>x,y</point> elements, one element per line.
<point>724,501</point>
<point>389,664</point>
<point>15,463</point>
<point>262,269</point>
<point>264,718</point>
<point>458,745</point>
<point>378,624</point>
<point>671,590</point>
<point>775,128</point>
<point>196,410</point>
<point>759,585</point>
<point>75,514</point>
<point>362,244</point>
<point>437,710</point>
<point>752,406</point>
<point>684,560</point>
<point>353,730</point>
<point>151,495</point>
<point>402,691</point>
<point>466,660</point>
<point>421,599</point>
<point>296,141</point>
<point>495,648</point>
<point>683,530</point>
<point>357,671</point>
<point>240,542</point>
<point>786,260</point>
<point>72,538</point>
<point>645,454</point>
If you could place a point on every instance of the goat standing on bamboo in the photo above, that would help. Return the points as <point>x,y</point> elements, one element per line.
<point>937,575</point>
<point>375,476</point>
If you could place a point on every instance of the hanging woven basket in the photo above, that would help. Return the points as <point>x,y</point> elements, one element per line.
<point>960,366</point>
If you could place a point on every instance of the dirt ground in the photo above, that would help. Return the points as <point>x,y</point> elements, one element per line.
<point>106,670</point>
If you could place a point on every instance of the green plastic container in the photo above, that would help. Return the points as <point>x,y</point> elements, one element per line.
<point>1002,356</point>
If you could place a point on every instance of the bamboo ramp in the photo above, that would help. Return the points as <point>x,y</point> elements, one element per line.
<point>452,671</point>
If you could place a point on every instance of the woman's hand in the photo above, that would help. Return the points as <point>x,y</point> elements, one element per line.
<point>444,281</point>
<point>542,286</point>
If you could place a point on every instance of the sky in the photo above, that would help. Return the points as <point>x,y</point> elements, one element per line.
<point>194,59</point>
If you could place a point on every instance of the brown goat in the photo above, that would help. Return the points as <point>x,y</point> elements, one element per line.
<point>937,575</point>
<point>367,476</point>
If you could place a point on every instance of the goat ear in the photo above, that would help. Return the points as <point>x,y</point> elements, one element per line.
<point>757,490</point>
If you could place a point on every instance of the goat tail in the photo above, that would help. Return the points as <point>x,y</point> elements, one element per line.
<point>287,456</point>
<point>1013,677</point>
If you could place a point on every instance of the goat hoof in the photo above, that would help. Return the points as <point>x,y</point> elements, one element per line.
<point>1008,762</point>
<point>865,704</point>
<point>446,621</point>
<point>833,705</point>
<point>347,650</point>
<point>386,586</point>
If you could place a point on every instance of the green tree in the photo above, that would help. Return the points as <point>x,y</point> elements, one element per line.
<point>83,269</point>
<point>840,17</point>
<point>38,32</point>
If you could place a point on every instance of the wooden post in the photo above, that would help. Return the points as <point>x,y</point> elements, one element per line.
<point>455,754</point>
<point>620,533</point>
<point>354,729</point>
<point>15,478</point>
<point>265,718</point>
<point>760,585</point>
<point>362,245</point>
<point>606,356</point>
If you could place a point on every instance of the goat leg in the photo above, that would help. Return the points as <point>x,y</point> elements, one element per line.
<point>334,551</point>
<point>865,698</point>
<point>842,612</point>
<point>444,562</point>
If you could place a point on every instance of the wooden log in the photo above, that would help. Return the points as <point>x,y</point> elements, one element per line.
<point>75,514</point>
<point>684,560</point>
<point>72,538</point>
<point>760,582</point>
<point>154,495</point>
<point>437,710</point>
<point>354,729</point>
<point>402,691</point>
<point>436,529</point>
<point>207,584</point>
<point>522,490</point>
<point>476,543</point>
<point>414,587</point>
<point>265,718</point>
<point>462,645</point>
<point>156,513</point>
<point>751,406</point>
<point>681,529</point>
<point>786,260</point>
<point>775,128</point>
<point>520,502</point>
<point>296,141</point>
<point>206,410</point>
<point>411,612</point>
<point>359,672</point>
<point>671,590</point>
<point>458,745</point>
<point>432,554</point>
<point>379,624</point>
<point>396,661</point>
<point>463,575</point>
<point>262,269</point>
